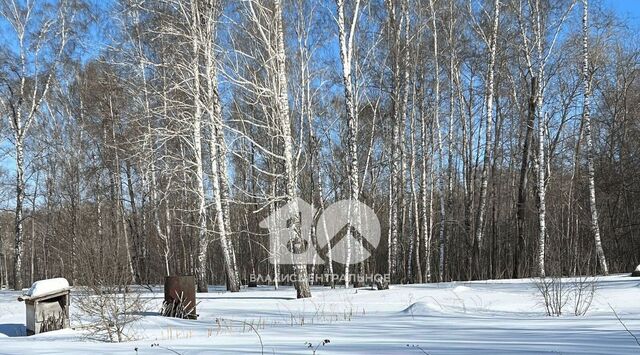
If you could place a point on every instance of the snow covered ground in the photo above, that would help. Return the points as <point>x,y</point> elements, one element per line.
<point>493,317</point>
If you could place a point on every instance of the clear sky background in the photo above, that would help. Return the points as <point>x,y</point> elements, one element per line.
<point>629,9</point>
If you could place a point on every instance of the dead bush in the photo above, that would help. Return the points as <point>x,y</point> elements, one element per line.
<point>556,293</point>
<point>108,310</point>
<point>583,289</point>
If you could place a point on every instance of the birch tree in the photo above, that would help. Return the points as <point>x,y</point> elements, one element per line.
<point>268,87</point>
<point>436,120</point>
<point>195,124</point>
<point>346,55</point>
<point>282,109</point>
<point>491,42</point>
<point>399,25</point>
<point>534,29</point>
<point>41,36</point>
<point>586,118</point>
<point>217,159</point>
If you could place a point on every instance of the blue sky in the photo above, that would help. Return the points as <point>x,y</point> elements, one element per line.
<point>626,8</point>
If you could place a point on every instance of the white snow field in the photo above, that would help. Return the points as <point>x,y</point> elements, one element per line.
<point>491,317</point>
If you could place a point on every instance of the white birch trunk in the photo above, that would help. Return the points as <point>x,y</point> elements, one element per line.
<point>346,56</point>
<point>542,166</point>
<point>450,144</point>
<point>479,233</point>
<point>196,131</point>
<point>542,209</point>
<point>284,122</point>
<point>425,205</point>
<point>18,247</point>
<point>414,246</point>
<point>586,117</point>
<point>217,163</point>
<point>29,47</point>
<point>436,120</point>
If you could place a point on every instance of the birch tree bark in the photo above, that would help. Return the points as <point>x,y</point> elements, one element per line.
<point>398,20</point>
<point>196,142</point>
<point>450,133</point>
<point>586,117</point>
<point>291,188</point>
<point>346,56</point>
<point>542,205</point>
<point>395,150</point>
<point>436,120</point>
<point>216,146</point>
<point>415,243</point>
<point>424,192</point>
<point>542,167</point>
<point>479,232</point>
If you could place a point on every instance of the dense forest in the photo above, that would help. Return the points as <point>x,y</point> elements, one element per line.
<point>144,138</point>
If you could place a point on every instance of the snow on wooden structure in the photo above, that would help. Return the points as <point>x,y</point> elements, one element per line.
<point>47,305</point>
<point>636,272</point>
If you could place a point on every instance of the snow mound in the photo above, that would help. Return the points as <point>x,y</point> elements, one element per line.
<point>636,272</point>
<point>461,289</point>
<point>43,287</point>
<point>422,309</point>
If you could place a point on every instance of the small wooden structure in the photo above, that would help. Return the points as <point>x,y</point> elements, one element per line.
<point>48,311</point>
<point>179,297</point>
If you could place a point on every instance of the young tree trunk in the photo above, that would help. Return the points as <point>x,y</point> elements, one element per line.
<point>346,56</point>
<point>425,204</point>
<point>135,228</point>
<point>284,122</point>
<point>20,194</point>
<point>479,232</point>
<point>522,184</point>
<point>542,165</point>
<point>415,245</point>
<point>329,256</point>
<point>196,130</point>
<point>217,163</point>
<point>397,18</point>
<point>542,209</point>
<point>450,143</point>
<point>586,117</point>
<point>436,120</point>
<point>572,219</point>
<point>117,194</point>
